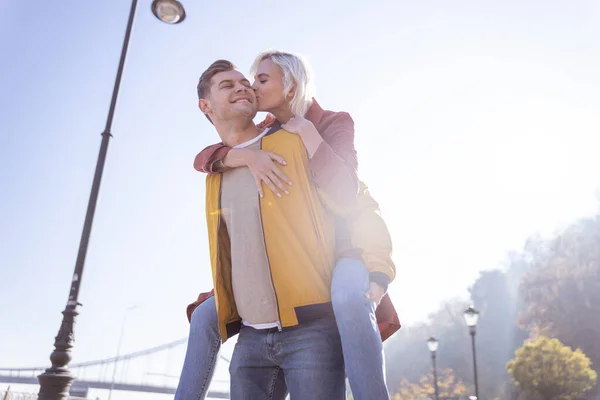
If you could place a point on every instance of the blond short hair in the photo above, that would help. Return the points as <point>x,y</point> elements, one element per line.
<point>296,71</point>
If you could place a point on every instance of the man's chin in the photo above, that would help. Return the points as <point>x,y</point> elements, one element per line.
<point>250,114</point>
<point>250,111</point>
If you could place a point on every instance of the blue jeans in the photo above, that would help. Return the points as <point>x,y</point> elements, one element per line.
<point>355,318</point>
<point>309,355</point>
<point>361,340</point>
<point>203,347</point>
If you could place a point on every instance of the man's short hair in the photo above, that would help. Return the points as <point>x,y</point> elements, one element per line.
<point>205,80</point>
<point>206,77</point>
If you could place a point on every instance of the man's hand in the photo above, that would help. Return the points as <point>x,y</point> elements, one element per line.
<point>375,293</point>
<point>262,165</point>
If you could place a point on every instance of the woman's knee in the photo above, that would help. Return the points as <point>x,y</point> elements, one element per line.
<point>350,283</point>
<point>205,315</point>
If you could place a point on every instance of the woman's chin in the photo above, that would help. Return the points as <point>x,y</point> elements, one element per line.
<point>261,108</point>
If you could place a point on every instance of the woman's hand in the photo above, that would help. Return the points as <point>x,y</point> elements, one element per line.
<point>263,167</point>
<point>307,132</point>
<point>375,293</point>
<point>298,125</point>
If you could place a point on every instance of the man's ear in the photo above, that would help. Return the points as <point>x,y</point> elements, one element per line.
<point>204,106</point>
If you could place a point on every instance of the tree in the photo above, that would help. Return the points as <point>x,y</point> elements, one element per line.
<point>551,370</point>
<point>561,290</point>
<point>448,386</point>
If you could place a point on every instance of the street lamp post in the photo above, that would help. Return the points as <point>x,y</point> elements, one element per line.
<point>471,317</point>
<point>56,381</point>
<point>433,344</point>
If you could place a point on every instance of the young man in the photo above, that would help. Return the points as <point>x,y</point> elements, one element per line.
<point>272,258</point>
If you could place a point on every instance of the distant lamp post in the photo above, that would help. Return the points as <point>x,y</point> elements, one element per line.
<point>433,345</point>
<point>114,375</point>
<point>471,317</point>
<point>56,381</point>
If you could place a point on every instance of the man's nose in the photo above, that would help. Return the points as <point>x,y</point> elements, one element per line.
<point>241,88</point>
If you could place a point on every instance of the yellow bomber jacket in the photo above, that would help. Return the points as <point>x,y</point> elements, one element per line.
<point>299,236</point>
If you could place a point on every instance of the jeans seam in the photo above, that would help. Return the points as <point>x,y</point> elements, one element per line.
<point>273,383</point>
<point>270,348</point>
<point>204,390</point>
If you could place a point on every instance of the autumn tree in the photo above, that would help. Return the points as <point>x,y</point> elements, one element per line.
<point>551,370</point>
<point>448,386</point>
<point>561,290</point>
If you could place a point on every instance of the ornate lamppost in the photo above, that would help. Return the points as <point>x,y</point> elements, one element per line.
<point>56,381</point>
<point>471,317</point>
<point>433,344</point>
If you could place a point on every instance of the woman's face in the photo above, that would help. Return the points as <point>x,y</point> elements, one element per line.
<point>268,86</point>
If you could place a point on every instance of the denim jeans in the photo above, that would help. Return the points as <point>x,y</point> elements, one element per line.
<point>310,356</point>
<point>203,347</point>
<point>355,318</point>
<point>361,341</point>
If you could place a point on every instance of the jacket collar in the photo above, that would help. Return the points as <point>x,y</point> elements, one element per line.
<point>314,115</point>
<point>274,128</point>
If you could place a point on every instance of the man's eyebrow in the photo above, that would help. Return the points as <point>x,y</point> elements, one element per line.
<point>225,81</point>
<point>245,81</point>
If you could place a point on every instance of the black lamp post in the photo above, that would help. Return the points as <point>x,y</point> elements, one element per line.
<point>433,344</point>
<point>56,381</point>
<point>471,317</point>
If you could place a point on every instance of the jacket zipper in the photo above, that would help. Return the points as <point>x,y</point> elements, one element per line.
<point>279,327</point>
<point>218,274</point>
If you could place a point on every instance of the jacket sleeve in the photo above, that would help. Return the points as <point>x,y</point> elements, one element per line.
<point>334,165</point>
<point>207,159</point>
<point>369,233</point>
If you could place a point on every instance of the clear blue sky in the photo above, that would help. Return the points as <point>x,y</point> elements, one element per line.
<point>476,125</point>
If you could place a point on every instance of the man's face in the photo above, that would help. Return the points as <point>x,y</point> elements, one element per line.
<point>230,97</point>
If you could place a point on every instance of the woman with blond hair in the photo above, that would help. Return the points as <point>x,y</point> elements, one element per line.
<point>363,270</point>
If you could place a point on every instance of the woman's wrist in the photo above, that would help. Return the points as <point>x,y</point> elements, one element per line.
<point>236,158</point>
<point>311,138</point>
